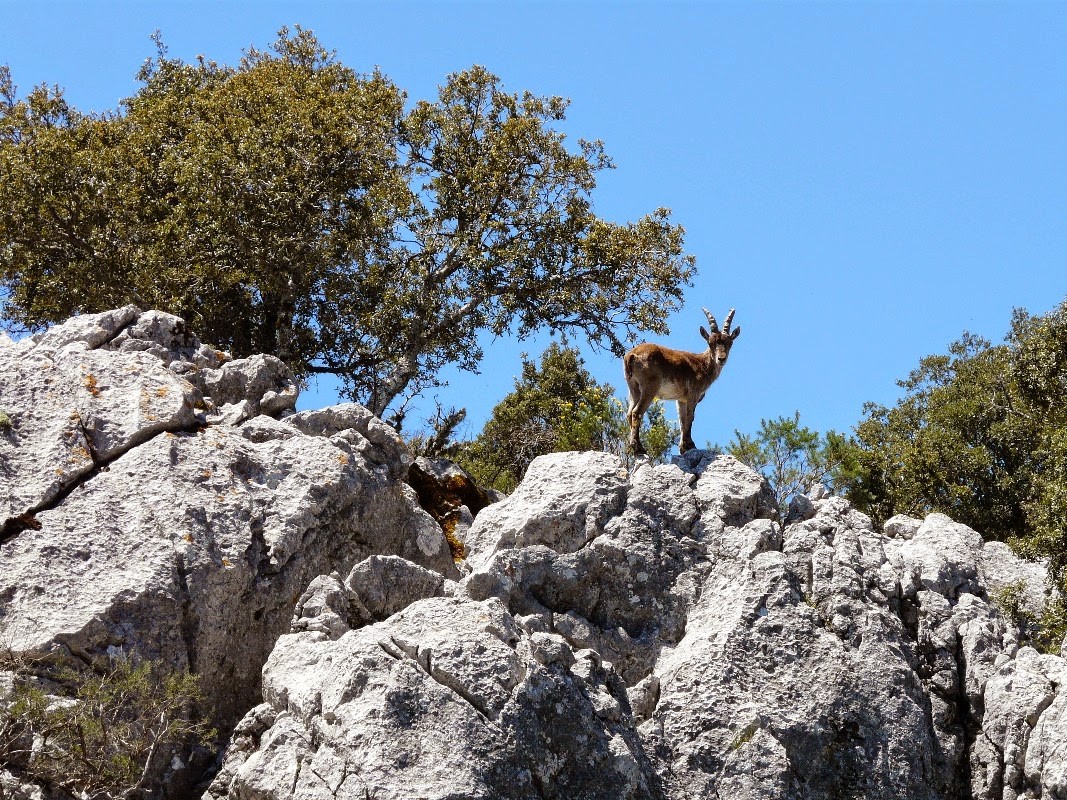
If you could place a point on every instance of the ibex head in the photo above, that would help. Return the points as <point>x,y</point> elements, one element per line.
<point>720,342</point>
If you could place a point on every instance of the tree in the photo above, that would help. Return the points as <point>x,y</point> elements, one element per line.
<point>952,443</point>
<point>981,435</point>
<point>793,458</point>
<point>1039,371</point>
<point>292,206</point>
<point>555,407</point>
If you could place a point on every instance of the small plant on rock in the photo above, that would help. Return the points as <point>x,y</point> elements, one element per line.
<point>1044,631</point>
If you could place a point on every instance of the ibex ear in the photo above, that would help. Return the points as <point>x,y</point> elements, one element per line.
<point>705,334</point>
<point>736,333</point>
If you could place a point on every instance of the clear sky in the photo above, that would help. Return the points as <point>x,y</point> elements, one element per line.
<point>862,181</point>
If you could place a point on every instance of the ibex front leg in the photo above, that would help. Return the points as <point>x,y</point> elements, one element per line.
<point>685,417</point>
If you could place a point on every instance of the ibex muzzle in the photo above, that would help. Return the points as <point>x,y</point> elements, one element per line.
<point>655,371</point>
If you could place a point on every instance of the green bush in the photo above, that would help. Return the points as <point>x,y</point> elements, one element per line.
<point>1043,631</point>
<point>96,733</point>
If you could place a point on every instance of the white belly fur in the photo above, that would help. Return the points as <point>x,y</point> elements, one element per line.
<point>671,391</point>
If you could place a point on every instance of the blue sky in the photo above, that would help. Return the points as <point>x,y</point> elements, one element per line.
<point>863,182</point>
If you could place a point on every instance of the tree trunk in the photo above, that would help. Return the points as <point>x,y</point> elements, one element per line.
<point>394,384</point>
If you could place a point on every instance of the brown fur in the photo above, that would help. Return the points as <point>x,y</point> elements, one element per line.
<point>652,371</point>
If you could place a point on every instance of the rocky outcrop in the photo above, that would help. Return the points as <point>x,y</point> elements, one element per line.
<point>164,501</point>
<point>651,633</point>
<point>657,635</point>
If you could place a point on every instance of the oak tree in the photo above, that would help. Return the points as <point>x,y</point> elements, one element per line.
<point>293,206</point>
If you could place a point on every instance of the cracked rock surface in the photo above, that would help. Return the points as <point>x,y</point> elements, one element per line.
<point>656,635</point>
<point>162,500</point>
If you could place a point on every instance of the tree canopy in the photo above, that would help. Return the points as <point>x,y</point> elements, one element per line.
<point>980,434</point>
<point>293,206</point>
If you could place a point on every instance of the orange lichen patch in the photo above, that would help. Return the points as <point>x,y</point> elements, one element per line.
<point>188,537</point>
<point>206,473</point>
<point>226,562</point>
<point>24,521</point>
<point>455,546</point>
<point>342,459</point>
<point>162,391</point>
<point>90,384</point>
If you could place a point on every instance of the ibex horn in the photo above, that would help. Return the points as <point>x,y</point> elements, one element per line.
<point>726,324</point>
<point>711,321</point>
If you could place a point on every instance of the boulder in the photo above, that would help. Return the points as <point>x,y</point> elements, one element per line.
<point>447,698</point>
<point>141,521</point>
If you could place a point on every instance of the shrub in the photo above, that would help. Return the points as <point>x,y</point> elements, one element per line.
<point>96,733</point>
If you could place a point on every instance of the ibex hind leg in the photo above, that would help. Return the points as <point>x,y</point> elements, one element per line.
<point>634,414</point>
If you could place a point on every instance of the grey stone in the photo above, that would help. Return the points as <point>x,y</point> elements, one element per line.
<point>449,698</point>
<point>563,502</point>
<point>901,526</point>
<point>134,525</point>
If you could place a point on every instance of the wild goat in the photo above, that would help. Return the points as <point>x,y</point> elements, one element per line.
<point>655,371</point>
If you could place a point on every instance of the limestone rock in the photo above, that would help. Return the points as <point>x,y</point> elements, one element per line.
<point>133,523</point>
<point>561,503</point>
<point>651,634</point>
<point>75,407</point>
<point>1003,571</point>
<point>448,698</point>
<point>942,557</point>
<point>901,526</point>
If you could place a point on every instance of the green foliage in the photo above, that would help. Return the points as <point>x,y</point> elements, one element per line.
<point>659,436</point>
<point>96,734</point>
<point>437,440</point>
<point>980,434</point>
<point>555,407</point>
<point>793,458</point>
<point>1009,601</point>
<point>953,443</point>
<point>289,205</point>
<point>5,421</point>
<point>1044,631</point>
<point>1039,371</point>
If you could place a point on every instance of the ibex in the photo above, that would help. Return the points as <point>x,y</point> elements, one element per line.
<point>655,371</point>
